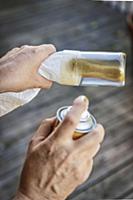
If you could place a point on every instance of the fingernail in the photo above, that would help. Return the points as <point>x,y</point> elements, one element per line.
<point>81,99</point>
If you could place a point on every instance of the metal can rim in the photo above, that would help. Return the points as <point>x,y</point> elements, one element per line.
<point>59,117</point>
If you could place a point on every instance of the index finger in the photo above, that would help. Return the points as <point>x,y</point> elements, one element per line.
<point>91,141</point>
<point>43,51</point>
<point>39,53</point>
<point>68,126</point>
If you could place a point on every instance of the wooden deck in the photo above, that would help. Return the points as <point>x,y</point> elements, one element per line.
<point>84,25</point>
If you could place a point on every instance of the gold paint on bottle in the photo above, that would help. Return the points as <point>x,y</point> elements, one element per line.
<point>97,69</point>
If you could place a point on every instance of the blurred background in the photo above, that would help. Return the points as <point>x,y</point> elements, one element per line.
<point>79,25</point>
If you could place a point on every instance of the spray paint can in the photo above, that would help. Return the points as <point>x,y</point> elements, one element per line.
<point>86,125</point>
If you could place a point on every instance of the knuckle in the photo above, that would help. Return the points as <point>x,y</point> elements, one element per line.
<point>24,54</point>
<point>101,132</point>
<point>70,120</point>
<point>30,49</point>
<point>63,153</point>
<point>56,150</point>
<point>52,47</point>
<point>97,149</point>
<point>32,140</point>
<point>34,50</point>
<point>24,47</point>
<point>98,134</point>
<point>15,49</point>
<point>44,121</point>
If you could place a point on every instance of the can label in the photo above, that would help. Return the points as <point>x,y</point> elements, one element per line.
<point>86,125</point>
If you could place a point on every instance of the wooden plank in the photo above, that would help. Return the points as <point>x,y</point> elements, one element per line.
<point>108,189</point>
<point>126,195</point>
<point>39,16</point>
<point>81,24</point>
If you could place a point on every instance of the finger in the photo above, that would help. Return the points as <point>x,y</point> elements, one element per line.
<point>89,167</point>
<point>91,152</point>
<point>11,52</point>
<point>45,129</point>
<point>42,52</point>
<point>67,127</point>
<point>38,53</point>
<point>83,169</point>
<point>42,82</point>
<point>90,139</point>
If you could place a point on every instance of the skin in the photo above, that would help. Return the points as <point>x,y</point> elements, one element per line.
<point>19,68</point>
<point>56,164</point>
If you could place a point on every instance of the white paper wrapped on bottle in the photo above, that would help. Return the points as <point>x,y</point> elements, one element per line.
<point>83,68</point>
<point>63,67</point>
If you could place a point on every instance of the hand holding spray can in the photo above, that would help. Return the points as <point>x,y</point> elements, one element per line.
<point>86,124</point>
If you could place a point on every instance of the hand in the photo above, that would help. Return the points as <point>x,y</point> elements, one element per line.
<point>19,68</point>
<point>56,164</point>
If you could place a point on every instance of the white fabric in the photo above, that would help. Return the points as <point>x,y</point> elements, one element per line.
<point>12,100</point>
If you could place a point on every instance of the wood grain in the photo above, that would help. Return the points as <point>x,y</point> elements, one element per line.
<point>84,25</point>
